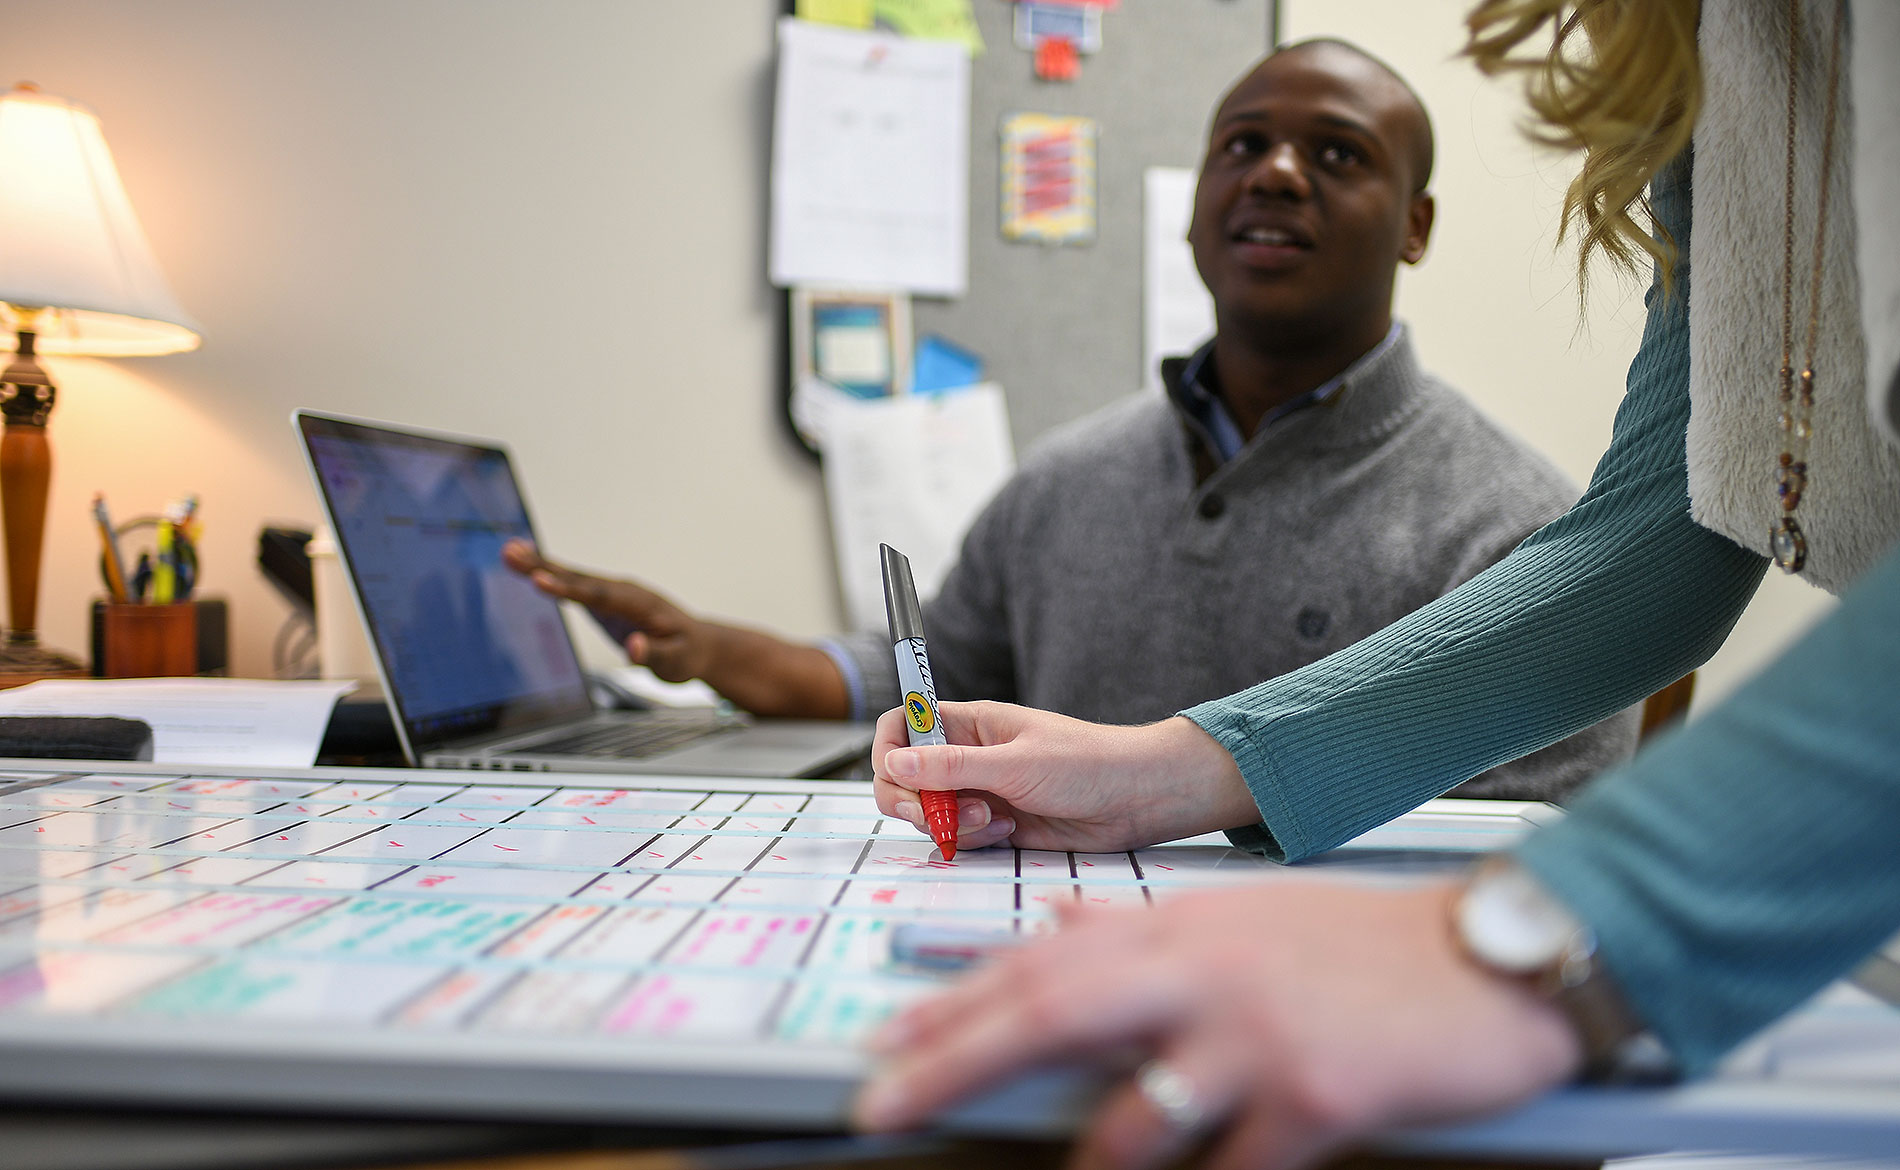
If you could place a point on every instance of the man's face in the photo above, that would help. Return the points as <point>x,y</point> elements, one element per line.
<point>1306,201</point>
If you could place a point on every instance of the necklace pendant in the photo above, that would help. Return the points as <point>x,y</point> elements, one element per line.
<point>1790,481</point>
<point>1789,545</point>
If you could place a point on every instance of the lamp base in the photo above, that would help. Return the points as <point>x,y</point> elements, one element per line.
<point>27,661</point>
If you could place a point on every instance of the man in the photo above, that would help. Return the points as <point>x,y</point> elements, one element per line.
<point>1303,484</point>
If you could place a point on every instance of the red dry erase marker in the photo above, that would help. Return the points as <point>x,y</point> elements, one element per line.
<point>920,694</point>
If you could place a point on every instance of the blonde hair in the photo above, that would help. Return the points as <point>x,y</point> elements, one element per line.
<point>1622,83</point>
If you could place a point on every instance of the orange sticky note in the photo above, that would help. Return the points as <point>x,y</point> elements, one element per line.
<point>1057,59</point>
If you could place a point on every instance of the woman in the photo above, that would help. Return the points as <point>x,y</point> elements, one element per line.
<point>1297,1018</point>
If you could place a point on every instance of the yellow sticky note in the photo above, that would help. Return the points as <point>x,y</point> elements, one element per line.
<point>932,20</point>
<point>849,13</point>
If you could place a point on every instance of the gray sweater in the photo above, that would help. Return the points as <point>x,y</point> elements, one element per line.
<point>1104,582</point>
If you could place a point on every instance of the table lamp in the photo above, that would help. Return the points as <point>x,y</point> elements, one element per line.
<point>76,277</point>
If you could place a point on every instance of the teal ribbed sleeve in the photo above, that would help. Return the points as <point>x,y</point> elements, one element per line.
<point>1617,598</point>
<point>1737,866</point>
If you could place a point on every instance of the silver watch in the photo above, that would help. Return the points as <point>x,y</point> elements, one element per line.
<point>1508,923</point>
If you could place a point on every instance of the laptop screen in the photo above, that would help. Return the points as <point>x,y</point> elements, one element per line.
<point>466,644</point>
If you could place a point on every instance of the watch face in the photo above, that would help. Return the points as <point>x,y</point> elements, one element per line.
<point>1509,922</point>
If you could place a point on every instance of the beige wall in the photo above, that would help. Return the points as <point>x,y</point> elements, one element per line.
<point>544,221</point>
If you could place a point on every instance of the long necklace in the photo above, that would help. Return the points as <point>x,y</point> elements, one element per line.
<point>1796,418</point>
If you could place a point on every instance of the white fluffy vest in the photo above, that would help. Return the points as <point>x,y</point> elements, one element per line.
<point>1851,509</point>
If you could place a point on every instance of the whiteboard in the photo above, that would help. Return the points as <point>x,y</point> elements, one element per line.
<point>673,951</point>
<point>677,950</point>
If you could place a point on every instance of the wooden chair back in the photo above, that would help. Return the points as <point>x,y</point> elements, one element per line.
<point>1666,706</point>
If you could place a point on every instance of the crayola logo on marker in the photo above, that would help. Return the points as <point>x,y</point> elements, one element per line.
<point>918,711</point>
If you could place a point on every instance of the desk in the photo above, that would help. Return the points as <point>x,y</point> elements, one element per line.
<point>9,681</point>
<point>174,946</point>
<point>88,1141</point>
<point>67,1140</point>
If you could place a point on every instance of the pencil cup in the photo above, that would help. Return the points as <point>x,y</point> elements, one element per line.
<point>149,641</point>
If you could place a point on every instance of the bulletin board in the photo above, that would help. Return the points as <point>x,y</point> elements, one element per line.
<point>1060,325</point>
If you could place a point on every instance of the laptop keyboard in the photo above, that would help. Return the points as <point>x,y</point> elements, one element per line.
<point>633,739</point>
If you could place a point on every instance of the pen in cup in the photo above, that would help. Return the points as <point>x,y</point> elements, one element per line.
<point>185,533</point>
<point>174,565</point>
<point>165,563</point>
<point>920,693</point>
<point>111,559</point>
<point>141,582</point>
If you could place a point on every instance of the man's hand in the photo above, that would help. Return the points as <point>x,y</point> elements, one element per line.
<point>1045,781</point>
<point>756,671</point>
<point>665,639</point>
<point>1292,1018</point>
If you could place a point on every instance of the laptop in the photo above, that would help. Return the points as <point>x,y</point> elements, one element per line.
<point>477,663</point>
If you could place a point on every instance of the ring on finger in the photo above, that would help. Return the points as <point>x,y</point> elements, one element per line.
<point>1171,1094</point>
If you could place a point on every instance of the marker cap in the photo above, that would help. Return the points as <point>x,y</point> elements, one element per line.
<point>900,595</point>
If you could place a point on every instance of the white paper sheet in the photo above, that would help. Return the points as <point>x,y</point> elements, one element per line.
<point>1177,313</point>
<point>201,720</point>
<point>911,472</point>
<point>870,161</point>
<point>814,402</point>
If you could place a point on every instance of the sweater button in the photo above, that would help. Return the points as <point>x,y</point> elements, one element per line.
<point>1212,506</point>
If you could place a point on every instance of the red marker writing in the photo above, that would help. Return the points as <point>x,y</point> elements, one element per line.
<point>920,693</point>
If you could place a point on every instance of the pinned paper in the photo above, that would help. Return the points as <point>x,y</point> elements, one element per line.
<point>858,341</point>
<point>1056,59</point>
<point>814,404</point>
<point>936,20</point>
<point>910,472</point>
<point>845,13</point>
<point>1177,313</point>
<point>944,365</point>
<point>1036,23</point>
<point>852,347</point>
<point>870,161</point>
<point>1048,178</point>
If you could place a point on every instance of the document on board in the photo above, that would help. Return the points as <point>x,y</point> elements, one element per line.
<point>1048,178</point>
<point>937,20</point>
<point>245,722</point>
<point>870,161</point>
<point>915,470</point>
<point>1177,314</point>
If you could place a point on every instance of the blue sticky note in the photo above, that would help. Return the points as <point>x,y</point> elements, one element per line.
<point>942,365</point>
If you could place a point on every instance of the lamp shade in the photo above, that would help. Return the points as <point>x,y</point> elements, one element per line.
<point>69,241</point>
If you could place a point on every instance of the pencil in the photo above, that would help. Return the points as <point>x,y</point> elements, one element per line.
<point>109,550</point>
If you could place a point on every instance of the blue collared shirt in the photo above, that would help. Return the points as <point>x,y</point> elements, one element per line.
<point>1203,403</point>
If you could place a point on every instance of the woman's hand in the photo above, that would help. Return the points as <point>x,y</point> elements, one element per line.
<point>1296,1016</point>
<point>1045,781</point>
